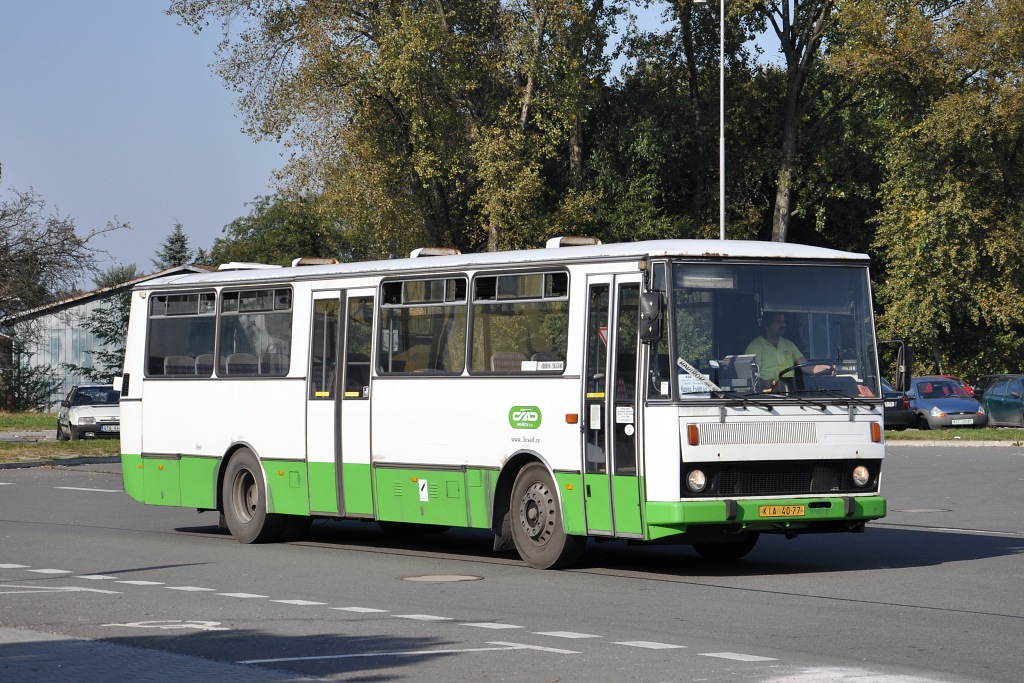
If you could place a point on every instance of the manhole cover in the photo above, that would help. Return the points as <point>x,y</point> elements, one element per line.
<point>442,578</point>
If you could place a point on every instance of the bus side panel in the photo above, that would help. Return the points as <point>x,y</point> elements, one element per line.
<point>131,473</point>
<point>570,486</point>
<point>199,482</point>
<point>287,492</point>
<point>423,496</point>
<point>323,493</point>
<point>161,481</point>
<point>358,488</point>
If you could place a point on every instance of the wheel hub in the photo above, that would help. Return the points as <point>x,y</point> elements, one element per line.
<point>534,515</point>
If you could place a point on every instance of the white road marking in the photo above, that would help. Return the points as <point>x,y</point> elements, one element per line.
<point>649,645</point>
<point>175,624</point>
<point>6,483</point>
<point>367,610</point>
<point>738,657</point>
<point>242,595</point>
<point>51,589</point>
<point>489,624</point>
<point>50,571</point>
<point>501,647</point>
<point>13,566</point>
<point>77,488</point>
<point>565,634</point>
<point>191,589</point>
<point>140,582</point>
<point>422,617</point>
<point>95,577</point>
<point>842,675</point>
<point>299,602</point>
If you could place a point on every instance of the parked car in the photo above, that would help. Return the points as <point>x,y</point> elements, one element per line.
<point>1003,398</point>
<point>942,402</point>
<point>896,407</point>
<point>89,410</point>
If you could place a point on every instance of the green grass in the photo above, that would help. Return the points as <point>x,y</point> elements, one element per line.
<point>957,434</point>
<point>28,422</point>
<point>42,451</point>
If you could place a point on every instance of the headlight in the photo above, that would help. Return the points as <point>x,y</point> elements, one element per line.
<point>936,412</point>
<point>981,409</point>
<point>86,421</point>
<point>696,481</point>
<point>861,475</point>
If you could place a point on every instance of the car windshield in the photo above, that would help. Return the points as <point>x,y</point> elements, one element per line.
<point>96,396</point>
<point>738,330</point>
<point>941,389</point>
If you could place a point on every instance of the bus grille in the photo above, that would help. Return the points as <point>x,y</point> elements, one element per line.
<point>759,433</point>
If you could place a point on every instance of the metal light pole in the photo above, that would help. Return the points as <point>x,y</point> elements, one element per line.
<point>721,119</point>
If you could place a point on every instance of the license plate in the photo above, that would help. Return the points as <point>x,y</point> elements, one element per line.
<point>110,428</point>
<point>890,404</point>
<point>780,511</point>
<point>968,421</point>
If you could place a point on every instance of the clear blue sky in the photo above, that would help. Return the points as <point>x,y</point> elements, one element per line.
<point>110,110</point>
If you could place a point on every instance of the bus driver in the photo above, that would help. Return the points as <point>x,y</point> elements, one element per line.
<point>774,352</point>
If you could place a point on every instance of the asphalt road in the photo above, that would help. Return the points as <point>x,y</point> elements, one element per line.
<point>931,593</point>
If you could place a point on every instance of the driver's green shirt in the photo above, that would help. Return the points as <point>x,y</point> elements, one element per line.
<point>771,360</point>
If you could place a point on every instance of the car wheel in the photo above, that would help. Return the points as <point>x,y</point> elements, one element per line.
<point>74,436</point>
<point>60,433</point>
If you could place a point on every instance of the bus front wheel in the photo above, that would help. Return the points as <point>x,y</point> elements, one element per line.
<point>244,498</point>
<point>537,528</point>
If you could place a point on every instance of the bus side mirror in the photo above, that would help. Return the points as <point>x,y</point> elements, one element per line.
<point>904,367</point>
<point>650,317</point>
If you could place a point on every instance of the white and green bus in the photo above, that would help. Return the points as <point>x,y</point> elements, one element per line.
<point>550,395</point>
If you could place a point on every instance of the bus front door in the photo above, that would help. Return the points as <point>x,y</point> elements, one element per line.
<point>338,405</point>
<point>611,473</point>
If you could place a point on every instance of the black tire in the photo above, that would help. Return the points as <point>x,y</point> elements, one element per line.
<point>537,527</point>
<point>244,498</point>
<point>61,436</point>
<point>728,551</point>
<point>72,434</point>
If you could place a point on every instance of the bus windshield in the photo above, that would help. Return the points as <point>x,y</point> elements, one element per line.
<point>769,330</point>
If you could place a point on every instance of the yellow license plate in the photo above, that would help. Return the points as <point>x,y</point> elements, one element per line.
<point>780,511</point>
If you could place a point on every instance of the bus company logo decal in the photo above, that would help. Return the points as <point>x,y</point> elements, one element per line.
<point>524,417</point>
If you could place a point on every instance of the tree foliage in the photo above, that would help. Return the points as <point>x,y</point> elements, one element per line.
<point>175,251</point>
<point>42,255</point>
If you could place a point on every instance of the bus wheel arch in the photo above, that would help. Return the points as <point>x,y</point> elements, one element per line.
<point>244,502</point>
<point>528,511</point>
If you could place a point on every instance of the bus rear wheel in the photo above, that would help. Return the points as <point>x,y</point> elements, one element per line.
<point>244,497</point>
<point>537,528</point>
<point>727,551</point>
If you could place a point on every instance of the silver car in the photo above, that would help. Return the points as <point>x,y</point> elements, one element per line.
<point>940,402</point>
<point>89,410</point>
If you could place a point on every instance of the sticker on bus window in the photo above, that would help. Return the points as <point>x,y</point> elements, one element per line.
<point>624,415</point>
<point>688,386</point>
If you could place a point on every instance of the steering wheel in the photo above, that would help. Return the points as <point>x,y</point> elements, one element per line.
<point>800,369</point>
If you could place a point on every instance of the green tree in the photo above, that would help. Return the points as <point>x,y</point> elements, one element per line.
<point>278,230</point>
<point>26,388</point>
<point>422,122</point>
<point>947,82</point>
<point>175,251</point>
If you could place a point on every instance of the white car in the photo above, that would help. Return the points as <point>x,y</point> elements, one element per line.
<point>90,410</point>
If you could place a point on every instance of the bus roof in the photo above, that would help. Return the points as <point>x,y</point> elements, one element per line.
<point>711,249</point>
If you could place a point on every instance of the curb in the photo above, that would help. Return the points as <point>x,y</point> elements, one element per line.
<point>61,462</point>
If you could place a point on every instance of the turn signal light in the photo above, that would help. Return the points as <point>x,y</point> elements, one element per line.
<point>692,435</point>
<point>876,432</point>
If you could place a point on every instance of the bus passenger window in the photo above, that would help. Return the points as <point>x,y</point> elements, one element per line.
<point>181,329</point>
